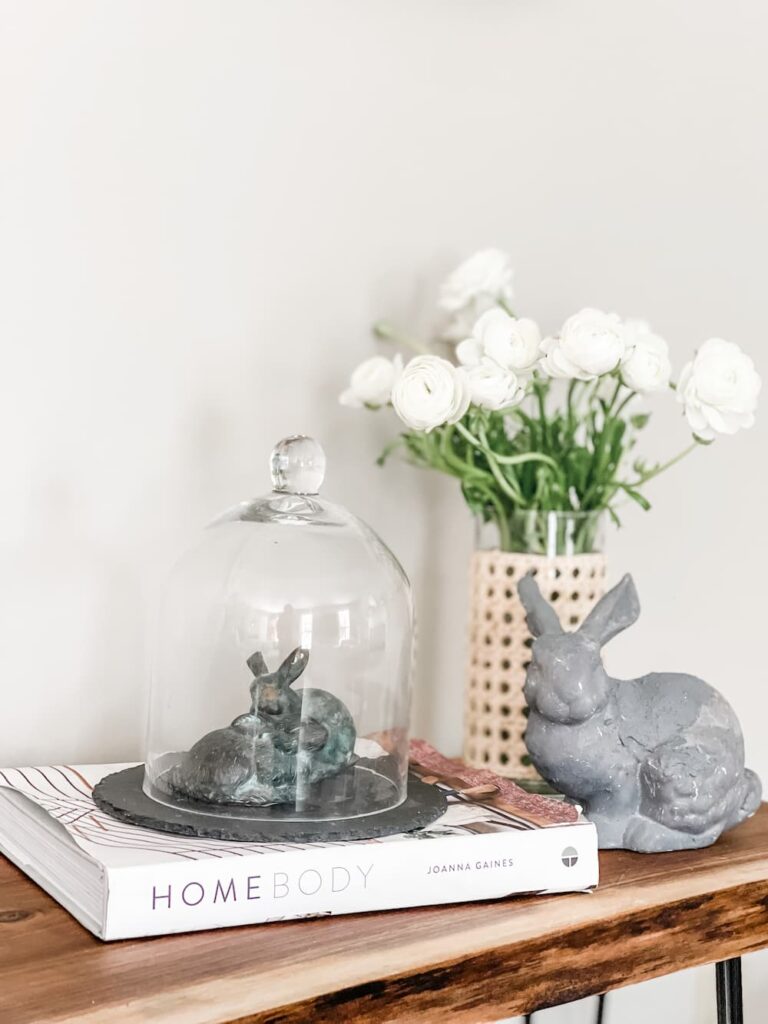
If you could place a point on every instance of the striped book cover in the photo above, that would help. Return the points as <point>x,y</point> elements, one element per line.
<point>123,881</point>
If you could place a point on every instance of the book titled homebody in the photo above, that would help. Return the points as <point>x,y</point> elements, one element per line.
<point>122,881</point>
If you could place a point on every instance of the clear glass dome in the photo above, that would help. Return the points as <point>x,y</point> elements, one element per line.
<point>281,684</point>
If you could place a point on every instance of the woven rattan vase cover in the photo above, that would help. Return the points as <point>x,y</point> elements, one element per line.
<point>499,647</point>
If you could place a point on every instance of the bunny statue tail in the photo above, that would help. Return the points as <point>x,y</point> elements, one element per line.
<point>656,762</point>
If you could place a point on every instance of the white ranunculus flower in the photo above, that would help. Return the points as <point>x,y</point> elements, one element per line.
<point>371,382</point>
<point>493,387</point>
<point>460,324</point>
<point>646,365</point>
<point>512,343</point>
<point>469,352</point>
<point>590,343</point>
<point>430,392</point>
<point>719,389</point>
<point>485,275</point>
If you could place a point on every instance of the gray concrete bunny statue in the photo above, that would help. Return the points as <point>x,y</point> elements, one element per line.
<point>656,762</point>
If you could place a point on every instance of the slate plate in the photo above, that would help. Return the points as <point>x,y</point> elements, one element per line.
<point>121,795</point>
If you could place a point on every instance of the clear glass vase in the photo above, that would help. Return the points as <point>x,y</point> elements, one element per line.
<point>535,532</point>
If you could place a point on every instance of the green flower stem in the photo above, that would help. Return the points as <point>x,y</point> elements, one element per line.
<point>386,332</point>
<point>482,445</point>
<point>502,521</point>
<point>571,411</point>
<point>504,483</point>
<point>518,460</point>
<point>601,454</point>
<point>388,449</point>
<point>625,401</point>
<point>592,397</point>
<point>645,477</point>
<point>463,467</point>
<point>615,395</point>
<point>508,487</point>
<point>540,390</point>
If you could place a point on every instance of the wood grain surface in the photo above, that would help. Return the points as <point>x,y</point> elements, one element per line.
<point>651,915</point>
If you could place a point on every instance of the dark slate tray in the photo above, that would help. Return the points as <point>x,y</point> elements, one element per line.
<point>122,796</point>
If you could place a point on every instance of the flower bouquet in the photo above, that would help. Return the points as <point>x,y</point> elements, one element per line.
<point>542,435</point>
<point>532,425</point>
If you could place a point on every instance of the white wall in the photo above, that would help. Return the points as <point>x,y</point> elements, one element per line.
<point>204,206</point>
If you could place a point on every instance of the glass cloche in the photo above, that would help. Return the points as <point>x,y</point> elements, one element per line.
<point>281,687</point>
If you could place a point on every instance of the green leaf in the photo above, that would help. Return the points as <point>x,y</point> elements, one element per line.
<point>618,430</point>
<point>641,500</point>
<point>640,420</point>
<point>614,516</point>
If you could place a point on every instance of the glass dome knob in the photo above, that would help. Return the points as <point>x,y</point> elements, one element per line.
<point>297,465</point>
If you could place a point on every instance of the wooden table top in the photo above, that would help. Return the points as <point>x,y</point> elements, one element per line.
<point>651,915</point>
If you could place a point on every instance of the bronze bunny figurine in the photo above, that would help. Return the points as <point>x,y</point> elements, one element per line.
<point>288,740</point>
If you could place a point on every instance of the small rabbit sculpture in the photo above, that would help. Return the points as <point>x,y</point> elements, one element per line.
<point>656,762</point>
<point>288,740</point>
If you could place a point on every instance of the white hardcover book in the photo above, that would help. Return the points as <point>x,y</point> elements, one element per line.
<point>122,881</point>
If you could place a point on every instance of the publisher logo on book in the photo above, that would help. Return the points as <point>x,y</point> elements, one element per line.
<point>569,856</point>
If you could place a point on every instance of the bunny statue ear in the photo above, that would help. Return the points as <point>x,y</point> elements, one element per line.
<point>293,666</point>
<point>615,611</point>
<point>540,615</point>
<point>257,665</point>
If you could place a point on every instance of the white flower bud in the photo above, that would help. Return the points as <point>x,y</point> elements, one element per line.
<point>513,344</point>
<point>493,387</point>
<point>646,365</point>
<point>371,382</point>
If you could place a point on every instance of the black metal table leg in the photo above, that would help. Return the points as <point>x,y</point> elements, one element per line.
<point>728,983</point>
<point>599,1019</point>
<point>729,1003</point>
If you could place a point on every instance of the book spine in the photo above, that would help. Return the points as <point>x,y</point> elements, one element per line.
<point>346,878</point>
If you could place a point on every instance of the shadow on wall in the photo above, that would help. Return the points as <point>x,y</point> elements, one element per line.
<point>440,585</point>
